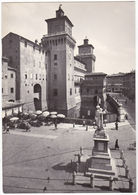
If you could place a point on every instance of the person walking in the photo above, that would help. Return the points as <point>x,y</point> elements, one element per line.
<point>7,129</point>
<point>55,123</point>
<point>116,144</point>
<point>126,116</point>
<point>116,125</point>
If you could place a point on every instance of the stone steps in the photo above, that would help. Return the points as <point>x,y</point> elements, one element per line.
<point>99,176</point>
<point>101,171</point>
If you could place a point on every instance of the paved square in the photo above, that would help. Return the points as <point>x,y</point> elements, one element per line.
<point>40,160</point>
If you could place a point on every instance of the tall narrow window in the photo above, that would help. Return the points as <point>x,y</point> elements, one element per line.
<point>25,43</point>
<point>55,57</point>
<point>55,76</point>
<point>36,77</point>
<point>70,91</point>
<point>12,89</point>
<point>11,75</point>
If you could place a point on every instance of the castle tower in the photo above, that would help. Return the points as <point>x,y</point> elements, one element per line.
<point>87,56</point>
<point>59,45</point>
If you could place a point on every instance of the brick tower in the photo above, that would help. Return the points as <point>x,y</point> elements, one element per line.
<point>59,45</point>
<point>87,56</point>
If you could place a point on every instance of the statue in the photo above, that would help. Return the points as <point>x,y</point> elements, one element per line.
<point>60,6</point>
<point>99,117</point>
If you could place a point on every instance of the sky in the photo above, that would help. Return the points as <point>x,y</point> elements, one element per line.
<point>109,26</point>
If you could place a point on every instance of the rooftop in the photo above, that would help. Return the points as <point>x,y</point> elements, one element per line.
<point>95,74</point>
<point>20,37</point>
<point>6,104</point>
<point>79,60</point>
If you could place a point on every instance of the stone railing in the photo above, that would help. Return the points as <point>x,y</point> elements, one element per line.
<point>117,106</point>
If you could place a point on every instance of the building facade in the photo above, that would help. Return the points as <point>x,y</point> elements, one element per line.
<point>28,59</point>
<point>122,83</point>
<point>79,72</point>
<point>9,103</point>
<point>115,83</point>
<point>93,93</point>
<point>129,85</point>
<point>8,81</point>
<point>48,74</point>
<point>64,70</point>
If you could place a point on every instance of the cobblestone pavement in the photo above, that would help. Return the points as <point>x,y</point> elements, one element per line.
<point>40,160</point>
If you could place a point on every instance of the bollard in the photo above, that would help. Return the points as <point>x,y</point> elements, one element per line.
<point>86,127</point>
<point>131,185</point>
<point>92,181</point>
<point>121,154</point>
<point>74,178</point>
<point>111,184</point>
<point>73,125</point>
<point>127,171</point>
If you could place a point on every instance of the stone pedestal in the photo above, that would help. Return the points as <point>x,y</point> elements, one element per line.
<point>101,161</point>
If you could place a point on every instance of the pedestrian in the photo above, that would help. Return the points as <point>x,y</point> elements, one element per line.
<point>45,189</point>
<point>116,125</point>
<point>48,179</point>
<point>55,124</point>
<point>77,167</point>
<point>79,158</point>
<point>126,116</point>
<point>116,144</point>
<point>8,129</point>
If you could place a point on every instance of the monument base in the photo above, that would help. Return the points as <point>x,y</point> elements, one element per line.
<point>101,162</point>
